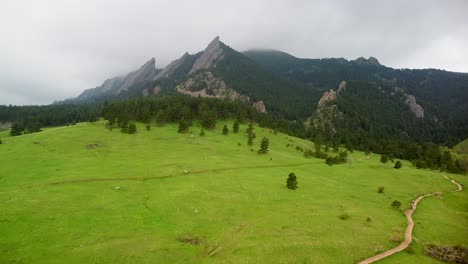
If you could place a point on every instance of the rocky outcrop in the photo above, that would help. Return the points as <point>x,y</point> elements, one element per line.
<point>260,107</point>
<point>117,85</point>
<point>331,95</point>
<point>370,62</point>
<point>172,68</point>
<point>417,110</point>
<point>210,56</point>
<point>144,73</point>
<point>206,84</point>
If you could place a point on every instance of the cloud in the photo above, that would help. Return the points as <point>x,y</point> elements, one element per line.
<point>52,50</point>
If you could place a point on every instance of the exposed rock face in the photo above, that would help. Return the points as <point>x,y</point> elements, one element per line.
<point>206,84</point>
<point>371,61</point>
<point>260,107</point>
<point>170,69</point>
<point>326,97</point>
<point>331,95</point>
<point>210,56</point>
<point>145,73</point>
<point>116,85</point>
<point>417,110</point>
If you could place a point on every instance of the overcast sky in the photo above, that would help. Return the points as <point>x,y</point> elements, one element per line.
<point>52,50</point>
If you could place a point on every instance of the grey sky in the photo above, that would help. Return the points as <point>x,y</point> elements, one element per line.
<point>52,50</point>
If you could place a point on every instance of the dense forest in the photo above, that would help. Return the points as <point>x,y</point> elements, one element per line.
<point>207,111</point>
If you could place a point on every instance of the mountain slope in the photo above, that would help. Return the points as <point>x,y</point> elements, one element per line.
<point>439,97</point>
<point>119,85</point>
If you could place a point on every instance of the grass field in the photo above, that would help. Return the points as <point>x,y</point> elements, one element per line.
<point>84,194</point>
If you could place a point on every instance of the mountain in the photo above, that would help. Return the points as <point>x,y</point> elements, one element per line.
<point>437,98</point>
<point>119,85</point>
<point>426,104</point>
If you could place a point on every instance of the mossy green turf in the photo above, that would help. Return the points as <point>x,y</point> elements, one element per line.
<point>59,203</point>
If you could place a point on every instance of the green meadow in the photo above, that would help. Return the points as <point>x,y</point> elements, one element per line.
<point>84,194</point>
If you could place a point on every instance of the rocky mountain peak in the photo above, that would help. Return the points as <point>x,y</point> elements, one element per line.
<point>209,57</point>
<point>372,61</point>
<point>144,73</point>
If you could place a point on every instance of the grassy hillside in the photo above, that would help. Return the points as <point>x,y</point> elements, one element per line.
<point>83,194</point>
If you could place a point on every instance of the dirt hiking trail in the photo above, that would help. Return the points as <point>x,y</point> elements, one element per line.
<point>409,228</point>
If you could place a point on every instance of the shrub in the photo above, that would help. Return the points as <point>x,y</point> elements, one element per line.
<point>308,153</point>
<point>189,239</point>
<point>225,130</point>
<point>396,204</point>
<point>291,182</point>
<point>344,216</point>
<point>202,132</point>
<point>381,189</point>
<point>132,128</point>
<point>397,165</point>
<point>384,158</point>
<point>455,254</point>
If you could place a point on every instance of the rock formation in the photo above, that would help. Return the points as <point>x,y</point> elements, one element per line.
<point>210,56</point>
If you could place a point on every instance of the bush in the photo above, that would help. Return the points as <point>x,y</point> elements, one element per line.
<point>225,130</point>
<point>455,254</point>
<point>396,204</point>
<point>381,189</point>
<point>384,158</point>
<point>202,132</point>
<point>291,182</point>
<point>308,153</point>
<point>344,216</point>
<point>397,165</point>
<point>132,128</point>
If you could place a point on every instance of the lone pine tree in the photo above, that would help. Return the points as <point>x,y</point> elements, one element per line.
<point>291,182</point>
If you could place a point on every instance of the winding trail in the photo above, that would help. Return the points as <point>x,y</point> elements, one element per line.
<point>409,228</point>
<point>169,175</point>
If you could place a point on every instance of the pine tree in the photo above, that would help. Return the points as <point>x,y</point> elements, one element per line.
<point>250,134</point>
<point>16,130</point>
<point>235,127</point>
<point>132,128</point>
<point>183,126</point>
<point>264,146</point>
<point>291,182</point>
<point>225,130</point>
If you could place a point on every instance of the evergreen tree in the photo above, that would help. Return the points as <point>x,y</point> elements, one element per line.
<point>183,126</point>
<point>1,142</point>
<point>148,127</point>
<point>397,165</point>
<point>124,128</point>
<point>264,146</point>
<point>92,118</point>
<point>16,130</point>
<point>132,128</point>
<point>202,132</point>
<point>235,127</point>
<point>225,130</point>
<point>291,182</point>
<point>160,117</point>
<point>250,134</point>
